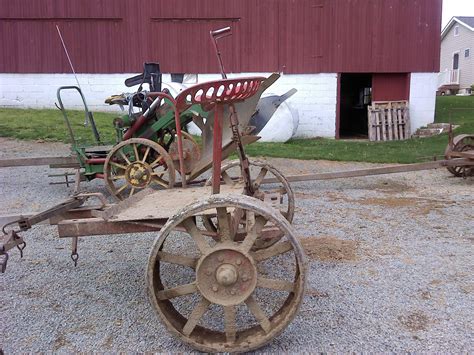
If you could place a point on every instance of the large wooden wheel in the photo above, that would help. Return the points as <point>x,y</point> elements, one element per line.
<point>278,193</point>
<point>217,294</point>
<point>135,164</point>
<point>461,143</point>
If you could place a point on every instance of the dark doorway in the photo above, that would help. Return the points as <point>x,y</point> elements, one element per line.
<point>355,96</point>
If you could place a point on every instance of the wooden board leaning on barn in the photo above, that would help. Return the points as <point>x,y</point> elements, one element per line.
<point>388,120</point>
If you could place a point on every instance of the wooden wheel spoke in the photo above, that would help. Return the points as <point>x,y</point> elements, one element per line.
<point>123,167</point>
<point>274,250</point>
<point>123,187</point>
<point>227,179</point>
<point>274,284</point>
<point>160,181</point>
<point>177,291</point>
<point>118,177</point>
<point>135,150</point>
<point>260,177</point>
<point>132,191</point>
<point>195,316</point>
<point>146,154</point>
<point>196,234</point>
<point>177,259</point>
<point>156,162</point>
<point>229,321</point>
<point>237,216</point>
<point>258,314</point>
<point>223,223</point>
<point>122,154</point>
<point>254,228</point>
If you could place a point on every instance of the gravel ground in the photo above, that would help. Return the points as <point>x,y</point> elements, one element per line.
<point>391,260</point>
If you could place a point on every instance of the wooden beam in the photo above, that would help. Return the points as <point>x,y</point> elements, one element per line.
<point>70,161</point>
<point>376,171</point>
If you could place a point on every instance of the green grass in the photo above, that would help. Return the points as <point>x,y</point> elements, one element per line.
<point>408,151</point>
<point>48,125</point>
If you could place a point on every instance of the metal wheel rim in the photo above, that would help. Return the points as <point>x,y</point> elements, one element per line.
<point>205,339</point>
<point>153,151</point>
<point>462,143</point>
<point>289,214</point>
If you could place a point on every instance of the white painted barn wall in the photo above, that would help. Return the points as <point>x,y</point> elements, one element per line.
<point>315,100</point>
<point>422,99</point>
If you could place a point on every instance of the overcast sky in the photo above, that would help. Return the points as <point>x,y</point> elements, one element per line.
<point>457,8</point>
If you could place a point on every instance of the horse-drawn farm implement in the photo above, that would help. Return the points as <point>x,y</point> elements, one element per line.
<point>221,239</point>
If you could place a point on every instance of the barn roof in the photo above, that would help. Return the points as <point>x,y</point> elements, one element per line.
<point>466,21</point>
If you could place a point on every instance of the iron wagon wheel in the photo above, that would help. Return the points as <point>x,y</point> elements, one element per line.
<point>135,164</point>
<point>461,143</point>
<point>219,295</point>
<point>280,193</point>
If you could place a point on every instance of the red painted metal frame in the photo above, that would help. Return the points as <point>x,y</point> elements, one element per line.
<point>215,95</point>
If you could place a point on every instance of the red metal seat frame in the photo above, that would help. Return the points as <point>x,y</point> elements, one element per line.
<point>215,95</point>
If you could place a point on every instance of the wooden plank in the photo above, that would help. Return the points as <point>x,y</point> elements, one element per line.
<point>71,160</point>
<point>371,124</point>
<point>406,119</point>
<point>383,122</point>
<point>401,124</point>
<point>389,122</point>
<point>97,226</point>
<point>395,123</point>
<point>160,204</point>
<point>392,169</point>
<point>378,132</point>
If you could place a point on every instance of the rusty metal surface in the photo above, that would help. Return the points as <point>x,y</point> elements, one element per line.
<point>327,35</point>
<point>226,275</point>
<point>461,146</point>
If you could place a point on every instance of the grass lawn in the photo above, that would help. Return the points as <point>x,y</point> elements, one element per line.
<point>49,125</point>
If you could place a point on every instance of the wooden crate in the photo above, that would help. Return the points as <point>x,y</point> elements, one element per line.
<point>388,120</point>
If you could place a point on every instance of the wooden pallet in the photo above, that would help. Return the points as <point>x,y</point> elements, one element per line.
<point>389,120</point>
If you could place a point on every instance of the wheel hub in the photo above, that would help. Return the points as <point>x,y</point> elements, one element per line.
<point>226,276</point>
<point>138,174</point>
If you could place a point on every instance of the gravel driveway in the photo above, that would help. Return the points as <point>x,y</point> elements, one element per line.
<point>391,268</point>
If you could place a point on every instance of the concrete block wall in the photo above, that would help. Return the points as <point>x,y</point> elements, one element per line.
<point>315,101</point>
<point>422,99</point>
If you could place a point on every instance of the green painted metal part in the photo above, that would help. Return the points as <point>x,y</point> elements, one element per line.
<point>149,130</point>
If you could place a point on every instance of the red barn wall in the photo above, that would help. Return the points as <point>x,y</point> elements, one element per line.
<point>390,87</point>
<point>293,36</point>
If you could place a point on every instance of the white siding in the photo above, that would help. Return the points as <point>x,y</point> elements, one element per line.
<point>451,44</point>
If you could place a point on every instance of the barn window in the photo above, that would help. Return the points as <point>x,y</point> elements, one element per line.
<point>467,52</point>
<point>456,30</point>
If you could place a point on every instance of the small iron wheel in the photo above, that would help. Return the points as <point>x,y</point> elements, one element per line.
<point>135,164</point>
<point>279,193</point>
<point>217,294</point>
<point>461,143</point>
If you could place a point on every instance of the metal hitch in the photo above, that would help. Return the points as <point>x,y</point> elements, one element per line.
<point>10,241</point>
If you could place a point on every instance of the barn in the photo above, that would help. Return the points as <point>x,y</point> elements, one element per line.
<point>339,54</point>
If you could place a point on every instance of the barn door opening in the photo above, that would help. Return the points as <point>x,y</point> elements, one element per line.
<point>355,96</point>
